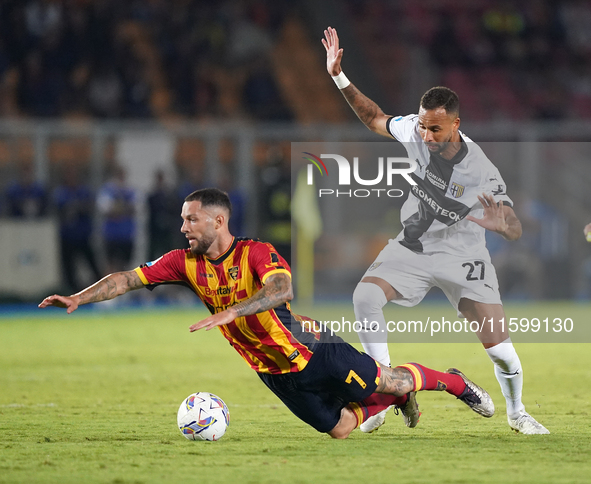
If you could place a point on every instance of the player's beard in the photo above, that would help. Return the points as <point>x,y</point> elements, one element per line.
<point>203,244</point>
<point>441,146</point>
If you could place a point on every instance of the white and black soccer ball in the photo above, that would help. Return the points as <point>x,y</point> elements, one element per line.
<point>203,416</point>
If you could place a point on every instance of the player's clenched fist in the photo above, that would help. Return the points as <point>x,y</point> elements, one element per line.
<point>333,53</point>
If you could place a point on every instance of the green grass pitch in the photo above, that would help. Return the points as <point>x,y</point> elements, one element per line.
<point>92,397</point>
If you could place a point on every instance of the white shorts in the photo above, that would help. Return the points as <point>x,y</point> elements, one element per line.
<point>412,274</point>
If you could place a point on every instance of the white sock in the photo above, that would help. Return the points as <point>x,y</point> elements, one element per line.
<point>368,301</point>
<point>509,375</point>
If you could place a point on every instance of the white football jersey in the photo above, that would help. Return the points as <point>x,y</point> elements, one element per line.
<point>433,216</point>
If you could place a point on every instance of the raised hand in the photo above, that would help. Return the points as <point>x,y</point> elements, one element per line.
<point>70,303</point>
<point>333,53</point>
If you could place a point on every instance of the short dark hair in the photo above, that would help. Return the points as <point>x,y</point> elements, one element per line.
<point>211,197</point>
<point>441,97</point>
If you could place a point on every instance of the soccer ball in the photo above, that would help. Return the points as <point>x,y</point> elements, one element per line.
<point>203,416</point>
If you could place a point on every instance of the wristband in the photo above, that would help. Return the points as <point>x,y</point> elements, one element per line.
<point>341,80</point>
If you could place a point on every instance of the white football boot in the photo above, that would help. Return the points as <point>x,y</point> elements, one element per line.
<point>374,422</point>
<point>410,415</point>
<point>527,425</point>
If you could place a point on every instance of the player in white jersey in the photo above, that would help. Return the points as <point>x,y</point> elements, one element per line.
<point>459,194</point>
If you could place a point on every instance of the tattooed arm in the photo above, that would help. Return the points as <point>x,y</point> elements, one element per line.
<point>108,287</point>
<point>276,291</point>
<point>366,110</point>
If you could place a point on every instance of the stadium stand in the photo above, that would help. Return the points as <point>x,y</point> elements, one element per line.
<point>231,82</point>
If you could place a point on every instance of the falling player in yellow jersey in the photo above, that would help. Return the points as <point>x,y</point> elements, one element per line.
<point>246,285</point>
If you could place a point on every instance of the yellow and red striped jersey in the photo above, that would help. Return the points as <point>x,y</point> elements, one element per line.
<point>271,341</point>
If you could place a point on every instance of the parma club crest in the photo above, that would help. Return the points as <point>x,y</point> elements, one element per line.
<point>457,190</point>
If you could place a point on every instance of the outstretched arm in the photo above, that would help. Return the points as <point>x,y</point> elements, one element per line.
<point>366,110</point>
<point>499,218</point>
<point>108,287</point>
<point>276,291</point>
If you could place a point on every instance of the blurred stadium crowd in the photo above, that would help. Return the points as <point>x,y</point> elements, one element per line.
<point>254,62</point>
<point>144,58</point>
<point>519,60</point>
<point>100,228</point>
<point>137,59</point>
